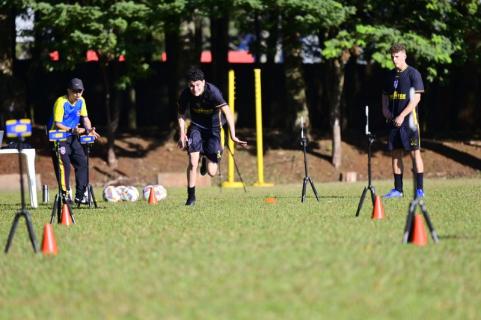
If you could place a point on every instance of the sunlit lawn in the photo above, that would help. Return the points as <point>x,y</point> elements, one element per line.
<point>234,256</point>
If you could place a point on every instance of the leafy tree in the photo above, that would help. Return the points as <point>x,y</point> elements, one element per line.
<point>298,18</point>
<point>375,27</point>
<point>112,30</point>
<point>184,48</point>
<point>169,15</point>
<point>221,14</point>
<point>12,90</point>
<point>463,24</point>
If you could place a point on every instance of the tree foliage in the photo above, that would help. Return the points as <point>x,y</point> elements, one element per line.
<point>423,26</point>
<point>436,32</point>
<point>111,31</point>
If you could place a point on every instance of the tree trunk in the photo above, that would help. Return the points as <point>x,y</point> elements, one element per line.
<point>197,48</point>
<point>273,39</point>
<point>112,122</point>
<point>256,48</point>
<point>219,43</point>
<point>172,48</point>
<point>335,97</point>
<point>6,65</point>
<point>7,41</point>
<point>295,87</point>
<point>132,117</point>
<point>12,89</point>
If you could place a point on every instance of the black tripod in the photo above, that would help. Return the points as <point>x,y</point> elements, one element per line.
<point>306,175</point>
<point>22,212</point>
<point>86,141</point>
<point>371,138</point>
<point>370,187</point>
<point>55,136</point>
<point>60,200</point>
<point>418,201</point>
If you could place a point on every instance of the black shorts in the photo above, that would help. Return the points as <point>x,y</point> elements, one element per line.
<point>404,137</point>
<point>205,141</point>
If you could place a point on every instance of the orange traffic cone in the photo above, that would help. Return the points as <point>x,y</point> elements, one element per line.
<point>418,234</point>
<point>66,215</point>
<point>152,197</point>
<point>378,210</point>
<point>49,245</point>
<point>271,200</point>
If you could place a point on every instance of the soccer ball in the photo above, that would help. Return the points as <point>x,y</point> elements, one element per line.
<point>111,194</point>
<point>159,192</point>
<point>130,193</point>
<point>121,189</point>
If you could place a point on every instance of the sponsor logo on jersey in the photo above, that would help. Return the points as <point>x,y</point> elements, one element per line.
<point>397,96</point>
<point>202,110</point>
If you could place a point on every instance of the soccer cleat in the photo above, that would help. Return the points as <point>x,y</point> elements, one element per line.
<point>84,200</point>
<point>190,201</point>
<point>203,166</point>
<point>393,194</point>
<point>66,198</point>
<point>419,193</point>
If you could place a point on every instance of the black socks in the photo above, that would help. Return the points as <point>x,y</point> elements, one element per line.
<point>419,180</point>
<point>191,192</point>
<point>190,196</point>
<point>398,182</point>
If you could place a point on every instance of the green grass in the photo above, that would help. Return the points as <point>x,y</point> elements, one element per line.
<point>234,256</point>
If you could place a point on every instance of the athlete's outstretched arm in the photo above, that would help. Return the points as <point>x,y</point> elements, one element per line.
<point>183,135</point>
<point>231,123</point>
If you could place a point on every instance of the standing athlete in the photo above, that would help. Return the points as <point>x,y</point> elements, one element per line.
<point>68,111</point>
<point>205,103</point>
<point>401,95</point>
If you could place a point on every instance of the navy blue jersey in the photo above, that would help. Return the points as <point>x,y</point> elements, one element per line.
<point>205,109</point>
<point>397,88</point>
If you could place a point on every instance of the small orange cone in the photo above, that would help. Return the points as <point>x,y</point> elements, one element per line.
<point>66,215</point>
<point>49,245</point>
<point>418,235</point>
<point>378,210</point>
<point>152,197</point>
<point>271,200</point>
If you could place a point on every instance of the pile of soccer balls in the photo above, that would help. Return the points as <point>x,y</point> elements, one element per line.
<point>130,193</point>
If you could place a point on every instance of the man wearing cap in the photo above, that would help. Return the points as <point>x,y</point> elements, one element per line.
<point>68,111</point>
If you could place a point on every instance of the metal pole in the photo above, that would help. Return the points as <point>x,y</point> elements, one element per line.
<point>259,139</point>
<point>231,183</point>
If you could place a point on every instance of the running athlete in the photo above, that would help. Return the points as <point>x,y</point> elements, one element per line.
<point>202,139</point>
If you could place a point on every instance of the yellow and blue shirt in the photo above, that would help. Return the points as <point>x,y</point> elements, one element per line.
<point>67,113</point>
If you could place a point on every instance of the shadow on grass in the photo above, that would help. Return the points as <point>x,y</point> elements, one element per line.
<point>155,139</point>
<point>11,207</point>
<point>85,209</point>
<point>310,197</point>
<point>456,155</point>
<point>456,237</point>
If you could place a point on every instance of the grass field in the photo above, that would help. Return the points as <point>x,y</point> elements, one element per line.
<point>234,256</point>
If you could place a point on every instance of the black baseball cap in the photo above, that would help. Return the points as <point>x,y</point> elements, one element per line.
<point>75,84</point>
